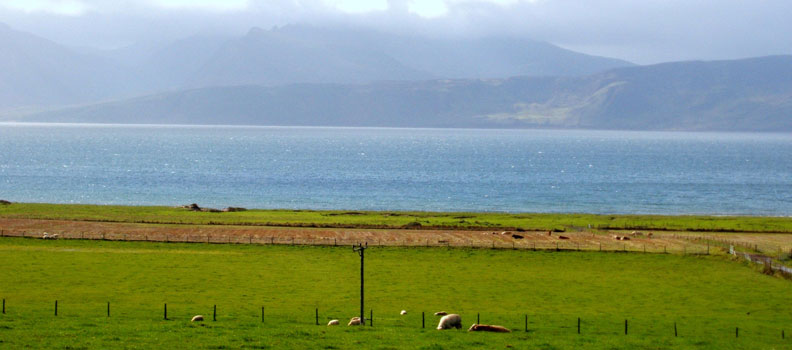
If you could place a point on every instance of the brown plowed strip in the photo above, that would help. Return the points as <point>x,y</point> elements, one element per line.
<point>342,236</point>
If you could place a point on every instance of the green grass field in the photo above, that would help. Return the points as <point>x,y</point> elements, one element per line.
<point>707,296</point>
<point>366,219</point>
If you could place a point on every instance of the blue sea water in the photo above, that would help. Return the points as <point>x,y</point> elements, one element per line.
<point>399,169</point>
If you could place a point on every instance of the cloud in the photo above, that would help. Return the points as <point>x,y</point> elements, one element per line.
<point>645,31</point>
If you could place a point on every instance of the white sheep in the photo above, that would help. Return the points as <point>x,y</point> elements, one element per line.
<point>355,321</point>
<point>333,323</point>
<point>450,321</point>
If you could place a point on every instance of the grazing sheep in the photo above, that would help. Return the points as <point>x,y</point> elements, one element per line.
<point>618,238</point>
<point>403,312</point>
<point>488,328</point>
<point>333,323</point>
<point>563,237</point>
<point>197,318</point>
<point>355,321</point>
<point>440,313</point>
<point>625,238</point>
<point>450,321</point>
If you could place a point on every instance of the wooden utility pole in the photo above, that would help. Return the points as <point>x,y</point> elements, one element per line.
<point>360,249</point>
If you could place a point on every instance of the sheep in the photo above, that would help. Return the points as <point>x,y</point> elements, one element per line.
<point>355,321</point>
<point>450,321</point>
<point>488,328</point>
<point>403,312</point>
<point>197,318</point>
<point>333,323</point>
<point>440,313</point>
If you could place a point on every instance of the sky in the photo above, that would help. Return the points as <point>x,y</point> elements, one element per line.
<point>641,31</point>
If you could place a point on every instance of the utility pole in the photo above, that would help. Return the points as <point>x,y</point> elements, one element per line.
<point>360,249</point>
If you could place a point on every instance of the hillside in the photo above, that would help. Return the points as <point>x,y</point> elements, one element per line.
<point>741,95</point>
<point>36,73</point>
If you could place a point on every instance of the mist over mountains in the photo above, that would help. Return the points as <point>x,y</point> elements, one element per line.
<point>302,75</point>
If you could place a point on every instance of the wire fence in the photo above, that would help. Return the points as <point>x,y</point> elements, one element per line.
<point>535,324</point>
<point>678,244</point>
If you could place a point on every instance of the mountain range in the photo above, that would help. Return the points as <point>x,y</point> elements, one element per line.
<point>300,75</point>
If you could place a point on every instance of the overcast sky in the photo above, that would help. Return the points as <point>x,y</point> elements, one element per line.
<point>641,31</point>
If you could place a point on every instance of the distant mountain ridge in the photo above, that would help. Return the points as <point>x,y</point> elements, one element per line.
<point>739,95</point>
<point>35,72</point>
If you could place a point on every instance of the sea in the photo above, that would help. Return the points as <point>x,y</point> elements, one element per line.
<point>537,171</point>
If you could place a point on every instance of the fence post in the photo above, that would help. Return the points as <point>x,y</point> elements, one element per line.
<point>108,309</point>
<point>675,330</point>
<point>262,314</point>
<point>736,332</point>
<point>423,319</point>
<point>782,333</point>
<point>214,313</point>
<point>578,325</point>
<point>625,327</point>
<point>317,316</point>
<point>56,308</point>
<point>165,312</point>
<point>478,318</point>
<point>526,323</point>
<point>371,318</point>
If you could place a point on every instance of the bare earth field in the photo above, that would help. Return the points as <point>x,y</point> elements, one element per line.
<point>678,242</point>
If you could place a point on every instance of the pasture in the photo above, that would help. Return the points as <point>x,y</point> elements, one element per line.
<point>390,219</point>
<point>707,297</point>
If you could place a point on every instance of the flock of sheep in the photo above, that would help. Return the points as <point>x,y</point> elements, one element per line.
<point>447,321</point>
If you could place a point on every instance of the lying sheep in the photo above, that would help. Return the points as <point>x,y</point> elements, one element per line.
<point>355,321</point>
<point>197,318</point>
<point>488,328</point>
<point>333,323</point>
<point>450,321</point>
<point>440,313</point>
<point>403,312</point>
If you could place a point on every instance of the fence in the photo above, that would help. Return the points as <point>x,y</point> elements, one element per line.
<point>517,322</point>
<point>681,244</point>
<point>763,260</point>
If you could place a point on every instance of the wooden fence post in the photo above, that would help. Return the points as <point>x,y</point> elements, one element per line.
<point>214,313</point>
<point>56,308</point>
<point>165,312</point>
<point>108,309</point>
<point>423,319</point>
<point>578,325</point>
<point>262,314</point>
<point>371,318</point>
<point>625,327</point>
<point>675,330</point>
<point>317,316</point>
<point>526,322</point>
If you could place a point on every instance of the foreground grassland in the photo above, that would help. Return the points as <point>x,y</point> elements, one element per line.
<point>706,296</point>
<point>365,219</point>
